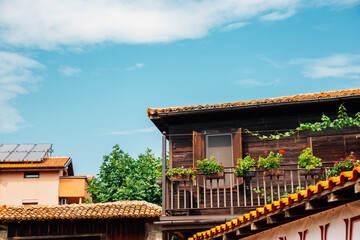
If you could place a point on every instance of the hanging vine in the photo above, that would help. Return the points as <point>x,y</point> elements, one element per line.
<point>340,122</point>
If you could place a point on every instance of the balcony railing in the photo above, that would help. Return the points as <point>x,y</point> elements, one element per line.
<point>229,195</point>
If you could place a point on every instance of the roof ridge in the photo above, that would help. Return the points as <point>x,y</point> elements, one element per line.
<point>291,98</point>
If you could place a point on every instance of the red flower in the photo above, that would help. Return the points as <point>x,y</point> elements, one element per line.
<point>305,146</point>
<point>282,151</point>
<point>343,164</point>
<point>236,167</point>
<point>193,169</point>
<point>352,160</point>
<point>347,158</point>
<point>247,153</point>
<point>159,168</point>
<point>341,159</point>
<point>336,163</point>
<point>354,157</point>
<point>222,166</point>
<point>236,156</point>
<point>254,157</point>
<point>221,163</point>
<point>238,164</point>
<point>356,165</point>
<point>265,151</point>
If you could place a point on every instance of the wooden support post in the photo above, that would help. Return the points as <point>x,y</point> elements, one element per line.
<point>259,225</point>
<point>357,187</point>
<point>163,173</point>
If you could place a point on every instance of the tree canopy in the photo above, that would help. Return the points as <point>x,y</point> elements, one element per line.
<point>123,178</point>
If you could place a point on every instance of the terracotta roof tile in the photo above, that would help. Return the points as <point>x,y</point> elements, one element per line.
<point>128,209</point>
<point>294,98</point>
<point>48,162</point>
<point>292,198</point>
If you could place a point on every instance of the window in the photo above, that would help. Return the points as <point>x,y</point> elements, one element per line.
<point>31,174</point>
<point>220,146</point>
<point>63,201</point>
<point>29,202</point>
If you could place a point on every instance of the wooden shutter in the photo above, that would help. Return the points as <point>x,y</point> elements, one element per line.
<point>198,147</point>
<point>237,145</point>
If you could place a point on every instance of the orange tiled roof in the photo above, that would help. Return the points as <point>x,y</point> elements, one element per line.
<point>48,162</point>
<point>130,209</point>
<point>292,198</point>
<point>294,98</point>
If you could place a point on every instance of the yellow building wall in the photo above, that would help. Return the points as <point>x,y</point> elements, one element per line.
<point>73,187</point>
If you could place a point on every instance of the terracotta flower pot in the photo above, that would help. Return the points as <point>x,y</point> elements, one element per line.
<point>274,172</point>
<point>180,177</point>
<point>315,171</point>
<point>249,173</point>
<point>240,180</point>
<point>215,175</point>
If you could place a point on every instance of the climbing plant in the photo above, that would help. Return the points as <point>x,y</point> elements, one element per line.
<point>340,122</point>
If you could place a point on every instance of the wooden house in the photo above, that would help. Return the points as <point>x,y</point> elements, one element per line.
<point>222,130</point>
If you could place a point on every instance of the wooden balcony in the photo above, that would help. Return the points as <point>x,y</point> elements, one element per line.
<point>229,196</point>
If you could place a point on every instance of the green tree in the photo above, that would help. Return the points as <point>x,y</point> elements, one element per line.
<point>123,178</point>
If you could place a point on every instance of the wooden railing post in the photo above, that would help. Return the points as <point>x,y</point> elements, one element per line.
<point>164,173</point>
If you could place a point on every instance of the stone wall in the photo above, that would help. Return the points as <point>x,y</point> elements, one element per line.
<point>153,232</point>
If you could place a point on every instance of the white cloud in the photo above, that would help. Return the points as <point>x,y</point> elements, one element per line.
<point>251,82</point>
<point>270,61</point>
<point>57,23</point>
<point>234,26</point>
<point>69,71</point>
<point>136,66</point>
<point>128,132</point>
<point>337,66</point>
<point>16,78</point>
<point>274,16</point>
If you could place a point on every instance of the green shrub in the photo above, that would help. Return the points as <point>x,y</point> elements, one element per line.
<point>271,161</point>
<point>244,164</point>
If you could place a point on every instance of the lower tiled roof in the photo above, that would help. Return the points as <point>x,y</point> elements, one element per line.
<point>298,197</point>
<point>47,162</point>
<point>294,98</point>
<point>128,209</point>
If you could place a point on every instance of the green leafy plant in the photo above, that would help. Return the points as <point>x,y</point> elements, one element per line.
<point>307,160</point>
<point>182,172</point>
<point>271,161</point>
<point>244,164</point>
<point>208,167</point>
<point>346,164</point>
<point>340,122</point>
<point>123,178</point>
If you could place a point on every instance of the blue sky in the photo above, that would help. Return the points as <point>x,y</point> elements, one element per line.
<point>81,74</point>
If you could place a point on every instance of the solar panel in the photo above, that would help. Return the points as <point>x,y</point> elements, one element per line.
<point>24,152</point>
<point>42,147</point>
<point>16,156</point>
<point>24,147</point>
<point>8,147</point>
<point>34,156</point>
<point>3,155</point>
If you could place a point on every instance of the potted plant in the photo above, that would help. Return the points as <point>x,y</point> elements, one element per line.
<point>244,168</point>
<point>181,174</point>
<point>308,163</point>
<point>271,163</point>
<point>346,164</point>
<point>211,169</point>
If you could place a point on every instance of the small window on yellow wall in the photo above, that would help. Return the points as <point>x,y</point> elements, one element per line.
<point>31,174</point>
<point>220,146</point>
